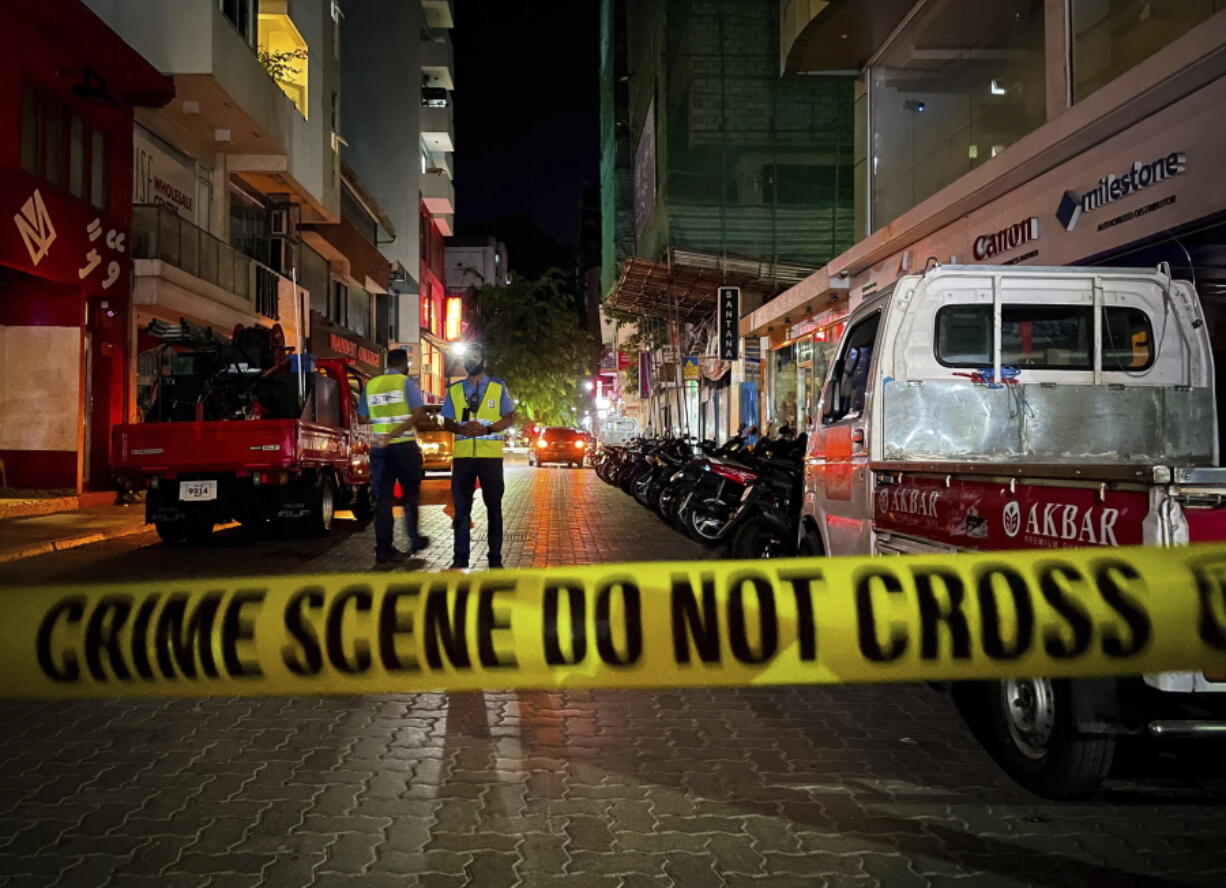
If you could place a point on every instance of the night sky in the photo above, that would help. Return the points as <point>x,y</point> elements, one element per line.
<point>526,116</point>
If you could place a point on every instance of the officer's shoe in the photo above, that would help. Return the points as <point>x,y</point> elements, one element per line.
<point>395,556</point>
<point>423,542</point>
<point>458,565</point>
<point>495,564</point>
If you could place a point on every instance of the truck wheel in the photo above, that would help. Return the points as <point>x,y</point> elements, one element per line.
<point>1032,733</point>
<point>171,531</point>
<point>323,508</point>
<point>199,529</point>
<point>363,506</point>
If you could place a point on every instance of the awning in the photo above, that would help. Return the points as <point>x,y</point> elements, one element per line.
<point>684,289</point>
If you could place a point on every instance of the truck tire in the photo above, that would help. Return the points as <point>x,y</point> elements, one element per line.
<point>171,531</point>
<point>1031,730</point>
<point>363,504</point>
<point>323,507</point>
<point>198,529</point>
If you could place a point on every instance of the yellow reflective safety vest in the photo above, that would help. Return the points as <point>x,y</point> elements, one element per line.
<point>489,411</point>
<point>387,405</point>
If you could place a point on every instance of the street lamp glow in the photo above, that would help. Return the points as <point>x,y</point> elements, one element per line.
<point>588,385</point>
<point>459,349</point>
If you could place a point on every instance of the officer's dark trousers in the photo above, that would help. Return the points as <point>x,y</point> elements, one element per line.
<point>396,462</point>
<point>464,475</point>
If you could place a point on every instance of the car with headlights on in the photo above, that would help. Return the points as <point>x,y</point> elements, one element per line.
<point>558,444</point>
<point>436,443</point>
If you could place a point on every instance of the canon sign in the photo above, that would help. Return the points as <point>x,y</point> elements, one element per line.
<point>989,245</point>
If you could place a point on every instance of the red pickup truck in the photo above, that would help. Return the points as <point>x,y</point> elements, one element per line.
<point>241,442</point>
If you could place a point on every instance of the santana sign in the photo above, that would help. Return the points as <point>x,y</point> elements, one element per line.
<point>989,245</point>
<point>1112,188</point>
<point>728,322</point>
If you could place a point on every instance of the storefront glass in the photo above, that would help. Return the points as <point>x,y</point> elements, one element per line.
<point>1111,36</point>
<point>962,82</point>
<point>783,387</point>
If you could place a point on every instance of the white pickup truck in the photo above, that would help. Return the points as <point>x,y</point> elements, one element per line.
<point>980,408</point>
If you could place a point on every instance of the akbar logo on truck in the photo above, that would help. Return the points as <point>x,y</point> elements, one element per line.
<point>1112,188</point>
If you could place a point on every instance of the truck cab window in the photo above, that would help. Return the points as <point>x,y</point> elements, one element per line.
<point>1044,337</point>
<point>848,383</point>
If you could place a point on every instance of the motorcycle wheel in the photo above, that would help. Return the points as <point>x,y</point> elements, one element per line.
<point>699,527</point>
<point>642,489</point>
<point>758,539</point>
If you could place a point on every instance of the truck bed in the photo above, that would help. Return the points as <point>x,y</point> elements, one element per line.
<point>228,446</point>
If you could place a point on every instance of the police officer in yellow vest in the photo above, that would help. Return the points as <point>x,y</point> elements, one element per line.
<point>394,405</point>
<point>477,410</point>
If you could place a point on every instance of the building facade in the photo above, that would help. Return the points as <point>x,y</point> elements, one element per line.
<point>239,178</point>
<point>400,138</point>
<point>473,262</point>
<point>715,171</point>
<point>69,87</point>
<point>1050,132</point>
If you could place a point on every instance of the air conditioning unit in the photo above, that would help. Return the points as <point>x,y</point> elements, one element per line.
<point>281,255</point>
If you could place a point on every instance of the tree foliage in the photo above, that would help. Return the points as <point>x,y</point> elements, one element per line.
<point>534,340</point>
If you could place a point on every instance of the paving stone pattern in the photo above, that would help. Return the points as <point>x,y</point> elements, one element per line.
<point>610,789</point>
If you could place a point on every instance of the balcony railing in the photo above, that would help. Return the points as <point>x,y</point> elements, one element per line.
<point>160,233</point>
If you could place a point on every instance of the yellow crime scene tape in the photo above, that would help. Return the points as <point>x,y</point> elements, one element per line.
<point>1087,612</point>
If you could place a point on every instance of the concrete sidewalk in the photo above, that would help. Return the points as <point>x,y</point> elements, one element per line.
<point>40,534</point>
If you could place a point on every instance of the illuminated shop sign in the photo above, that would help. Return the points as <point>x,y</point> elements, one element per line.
<point>1142,174</point>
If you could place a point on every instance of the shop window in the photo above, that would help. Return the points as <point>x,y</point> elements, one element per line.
<point>848,383</point>
<point>957,85</point>
<point>1110,37</point>
<point>248,224</point>
<point>338,306</point>
<point>54,165</point>
<point>359,311</point>
<point>286,56</point>
<point>61,148</point>
<point>393,317</point>
<point>76,157</point>
<point>240,13</point>
<point>98,183</point>
<point>31,127</point>
<point>1044,337</point>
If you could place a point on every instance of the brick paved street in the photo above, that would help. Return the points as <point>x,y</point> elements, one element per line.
<point>754,787</point>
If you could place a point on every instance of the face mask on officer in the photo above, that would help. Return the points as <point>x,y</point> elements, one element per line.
<point>474,363</point>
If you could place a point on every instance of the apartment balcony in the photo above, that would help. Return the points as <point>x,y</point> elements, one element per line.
<point>223,95</point>
<point>183,271</point>
<point>437,128</point>
<point>438,60</point>
<point>438,192</point>
<point>438,13</point>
